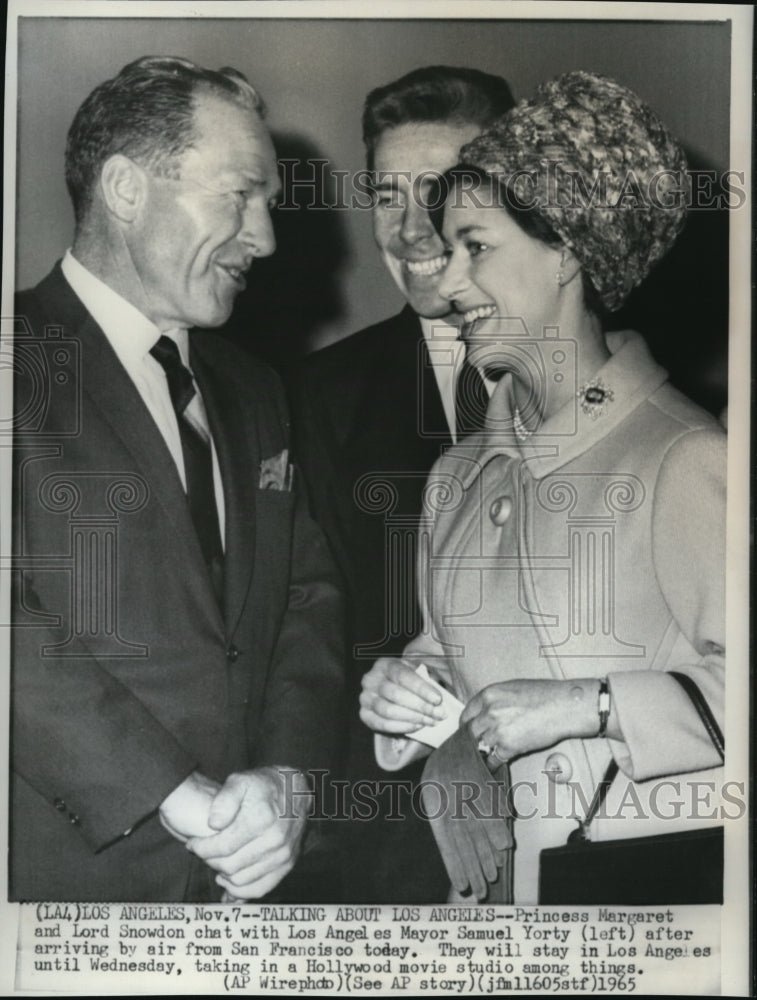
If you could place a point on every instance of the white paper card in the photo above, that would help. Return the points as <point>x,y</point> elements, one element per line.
<point>435,735</point>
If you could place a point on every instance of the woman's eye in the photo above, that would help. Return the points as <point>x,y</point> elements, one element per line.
<point>474,248</point>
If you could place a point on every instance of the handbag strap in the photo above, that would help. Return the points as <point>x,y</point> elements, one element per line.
<point>701,704</point>
<point>709,722</point>
<point>600,794</point>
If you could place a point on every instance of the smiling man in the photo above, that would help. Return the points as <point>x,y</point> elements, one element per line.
<point>372,414</point>
<point>176,650</point>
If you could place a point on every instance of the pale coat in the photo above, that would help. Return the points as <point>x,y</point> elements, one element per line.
<point>596,547</point>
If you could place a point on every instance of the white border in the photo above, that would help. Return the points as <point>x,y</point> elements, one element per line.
<point>736,936</point>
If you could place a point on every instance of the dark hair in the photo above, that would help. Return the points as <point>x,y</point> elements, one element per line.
<point>146,113</point>
<point>434,94</point>
<point>501,194</point>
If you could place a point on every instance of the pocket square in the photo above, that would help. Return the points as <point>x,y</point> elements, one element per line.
<point>276,473</point>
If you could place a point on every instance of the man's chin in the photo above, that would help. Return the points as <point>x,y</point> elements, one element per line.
<point>211,318</point>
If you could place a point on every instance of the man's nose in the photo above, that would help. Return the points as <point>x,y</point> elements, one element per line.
<point>416,222</point>
<point>257,230</point>
<point>454,280</point>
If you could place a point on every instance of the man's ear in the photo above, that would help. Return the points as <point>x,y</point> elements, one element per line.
<point>123,185</point>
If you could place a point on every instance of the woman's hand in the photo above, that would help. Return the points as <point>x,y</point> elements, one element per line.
<point>395,700</point>
<point>520,716</point>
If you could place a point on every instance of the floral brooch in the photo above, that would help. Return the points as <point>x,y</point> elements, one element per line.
<point>594,396</point>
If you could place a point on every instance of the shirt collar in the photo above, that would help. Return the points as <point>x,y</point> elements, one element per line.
<point>130,333</point>
<point>434,329</point>
<point>448,335</point>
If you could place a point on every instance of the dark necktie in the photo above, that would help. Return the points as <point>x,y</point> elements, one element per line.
<point>471,399</point>
<point>198,461</point>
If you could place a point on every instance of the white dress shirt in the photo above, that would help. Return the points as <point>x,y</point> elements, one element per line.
<point>132,336</point>
<point>446,352</point>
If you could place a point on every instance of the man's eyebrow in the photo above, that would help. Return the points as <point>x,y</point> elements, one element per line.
<point>250,176</point>
<point>251,180</point>
<point>386,180</point>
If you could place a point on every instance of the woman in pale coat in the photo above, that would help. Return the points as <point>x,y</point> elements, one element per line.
<point>575,548</point>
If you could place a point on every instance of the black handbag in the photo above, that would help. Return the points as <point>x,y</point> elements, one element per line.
<point>670,868</point>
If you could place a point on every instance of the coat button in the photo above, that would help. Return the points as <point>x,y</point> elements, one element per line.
<point>60,805</point>
<point>232,654</point>
<point>73,819</point>
<point>559,768</point>
<point>500,510</point>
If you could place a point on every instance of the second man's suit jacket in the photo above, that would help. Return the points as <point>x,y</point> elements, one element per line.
<point>127,675</point>
<point>369,424</point>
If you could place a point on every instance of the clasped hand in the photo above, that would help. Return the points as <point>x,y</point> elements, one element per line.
<point>250,829</point>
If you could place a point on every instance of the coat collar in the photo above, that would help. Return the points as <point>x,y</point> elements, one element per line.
<point>630,374</point>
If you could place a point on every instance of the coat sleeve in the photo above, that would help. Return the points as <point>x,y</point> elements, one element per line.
<point>662,731</point>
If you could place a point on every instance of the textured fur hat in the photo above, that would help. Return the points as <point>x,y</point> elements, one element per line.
<point>600,167</point>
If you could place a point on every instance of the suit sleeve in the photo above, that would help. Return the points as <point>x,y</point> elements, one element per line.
<point>662,731</point>
<point>393,753</point>
<point>85,743</point>
<point>303,718</point>
<point>315,446</point>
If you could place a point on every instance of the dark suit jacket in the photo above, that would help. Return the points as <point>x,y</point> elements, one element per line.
<point>126,674</point>
<point>368,425</point>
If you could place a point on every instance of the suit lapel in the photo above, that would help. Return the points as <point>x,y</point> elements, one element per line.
<point>118,404</point>
<point>239,460</point>
<point>430,401</point>
<point>399,408</point>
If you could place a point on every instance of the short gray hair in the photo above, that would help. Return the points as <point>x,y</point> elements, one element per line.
<point>145,112</point>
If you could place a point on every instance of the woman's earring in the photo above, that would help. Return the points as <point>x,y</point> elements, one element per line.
<point>559,274</point>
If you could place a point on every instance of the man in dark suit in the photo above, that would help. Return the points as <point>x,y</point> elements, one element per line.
<point>176,642</point>
<point>371,415</point>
